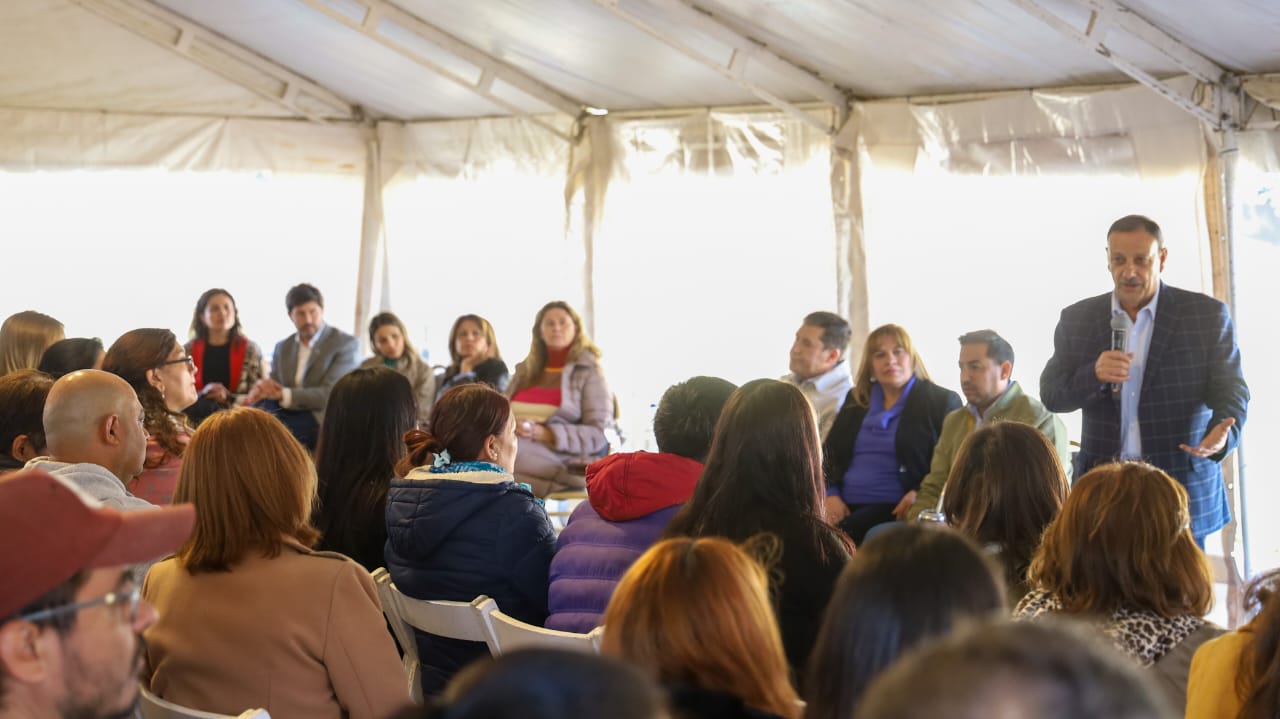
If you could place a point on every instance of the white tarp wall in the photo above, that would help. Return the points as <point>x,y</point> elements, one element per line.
<point>111,221</point>
<point>693,241</point>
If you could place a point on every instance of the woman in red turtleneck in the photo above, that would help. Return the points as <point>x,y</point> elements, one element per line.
<point>561,402</point>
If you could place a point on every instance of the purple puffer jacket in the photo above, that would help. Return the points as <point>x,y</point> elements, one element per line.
<point>631,498</point>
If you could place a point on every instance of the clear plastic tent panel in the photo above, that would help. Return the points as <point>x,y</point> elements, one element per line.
<point>993,214</point>
<point>718,239</point>
<point>475,223</point>
<point>107,251</point>
<point>1257,257</point>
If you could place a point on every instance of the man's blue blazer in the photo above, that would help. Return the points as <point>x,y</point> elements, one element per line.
<point>1192,381</point>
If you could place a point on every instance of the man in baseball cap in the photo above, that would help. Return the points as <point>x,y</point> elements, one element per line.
<point>71,617</point>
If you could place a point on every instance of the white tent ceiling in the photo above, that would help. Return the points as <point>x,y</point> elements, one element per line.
<point>60,54</point>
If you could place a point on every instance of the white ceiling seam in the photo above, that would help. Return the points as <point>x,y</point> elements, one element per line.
<point>238,64</point>
<point>744,51</point>
<point>1108,17</point>
<point>451,58</point>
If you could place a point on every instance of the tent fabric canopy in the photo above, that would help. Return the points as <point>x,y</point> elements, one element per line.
<point>61,54</point>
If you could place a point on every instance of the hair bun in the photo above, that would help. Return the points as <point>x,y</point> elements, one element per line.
<point>421,445</point>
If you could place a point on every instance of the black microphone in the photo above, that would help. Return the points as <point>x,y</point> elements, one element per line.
<point>1120,324</point>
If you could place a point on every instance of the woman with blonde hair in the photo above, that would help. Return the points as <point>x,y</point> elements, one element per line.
<point>392,348</point>
<point>474,355</point>
<point>1121,554</point>
<point>881,444</point>
<point>1237,675</point>
<point>1006,485</point>
<point>695,615</point>
<point>163,375</point>
<point>250,616</point>
<point>24,337</point>
<point>561,401</point>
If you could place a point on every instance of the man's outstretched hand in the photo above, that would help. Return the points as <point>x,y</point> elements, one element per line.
<point>1213,442</point>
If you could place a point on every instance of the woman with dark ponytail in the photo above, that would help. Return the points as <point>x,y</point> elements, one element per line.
<point>458,524</point>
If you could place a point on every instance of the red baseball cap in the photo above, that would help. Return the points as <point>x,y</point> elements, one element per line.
<point>49,530</point>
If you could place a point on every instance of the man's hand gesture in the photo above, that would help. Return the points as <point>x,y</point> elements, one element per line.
<point>1213,441</point>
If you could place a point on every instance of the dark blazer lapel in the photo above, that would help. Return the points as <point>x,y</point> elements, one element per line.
<point>1167,311</point>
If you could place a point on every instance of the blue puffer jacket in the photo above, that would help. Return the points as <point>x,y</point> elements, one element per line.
<point>631,498</point>
<point>460,531</point>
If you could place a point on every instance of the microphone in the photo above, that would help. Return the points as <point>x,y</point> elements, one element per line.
<point>1120,326</point>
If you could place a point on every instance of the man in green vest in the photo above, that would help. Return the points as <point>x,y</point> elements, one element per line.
<point>986,370</point>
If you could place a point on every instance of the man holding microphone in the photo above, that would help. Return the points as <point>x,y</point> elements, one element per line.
<point>1156,371</point>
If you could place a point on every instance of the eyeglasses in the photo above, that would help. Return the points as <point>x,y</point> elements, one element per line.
<point>189,360</point>
<point>128,598</point>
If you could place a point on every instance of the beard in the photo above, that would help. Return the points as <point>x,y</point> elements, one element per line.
<point>91,712</point>
<point>90,693</point>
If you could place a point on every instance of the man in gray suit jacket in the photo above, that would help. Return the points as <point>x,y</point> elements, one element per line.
<point>305,366</point>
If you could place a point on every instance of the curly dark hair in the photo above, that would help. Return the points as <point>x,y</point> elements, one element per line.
<point>131,357</point>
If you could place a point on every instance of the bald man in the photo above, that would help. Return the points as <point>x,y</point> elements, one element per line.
<point>94,434</point>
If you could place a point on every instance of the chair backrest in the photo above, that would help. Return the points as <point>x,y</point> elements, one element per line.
<point>455,620</point>
<point>151,706</point>
<point>510,634</point>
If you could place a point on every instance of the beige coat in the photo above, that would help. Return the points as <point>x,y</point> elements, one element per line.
<point>300,635</point>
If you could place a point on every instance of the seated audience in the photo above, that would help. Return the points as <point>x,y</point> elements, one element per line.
<point>882,441</point>
<point>250,615</point>
<point>95,434</point>
<point>74,353</point>
<point>694,614</point>
<point>630,499</point>
<point>228,364</point>
<point>163,376</point>
<point>1121,555</point>
<point>23,339</point>
<point>986,378</point>
<point>1006,486</point>
<point>818,366</point>
<point>548,684</point>
<point>474,355</point>
<point>459,525</point>
<point>763,475</point>
<point>561,401</point>
<point>305,366</point>
<point>70,617</point>
<point>1047,670</point>
<point>392,348</point>
<point>361,440</point>
<point>906,586</point>
<point>1238,674</point>
<point>22,396</point>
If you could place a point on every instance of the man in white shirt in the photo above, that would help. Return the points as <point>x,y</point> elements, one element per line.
<point>305,366</point>
<point>818,366</point>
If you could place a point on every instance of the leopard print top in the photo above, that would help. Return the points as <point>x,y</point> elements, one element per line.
<point>1143,635</point>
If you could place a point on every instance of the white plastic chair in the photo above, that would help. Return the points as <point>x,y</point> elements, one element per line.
<point>455,620</point>
<point>508,634</point>
<point>151,706</point>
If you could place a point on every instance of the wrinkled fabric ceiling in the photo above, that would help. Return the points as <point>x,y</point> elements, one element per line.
<point>56,54</point>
